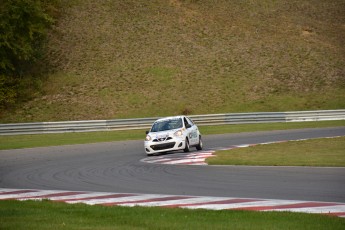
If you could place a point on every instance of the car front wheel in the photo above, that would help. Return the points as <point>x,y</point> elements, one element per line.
<point>186,148</point>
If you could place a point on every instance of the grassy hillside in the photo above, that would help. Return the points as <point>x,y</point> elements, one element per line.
<point>139,58</point>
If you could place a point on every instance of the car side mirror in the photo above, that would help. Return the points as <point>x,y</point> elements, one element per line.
<point>147,132</point>
<point>188,126</point>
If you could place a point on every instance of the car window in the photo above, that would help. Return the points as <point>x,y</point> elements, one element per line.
<point>185,122</point>
<point>164,125</point>
<point>190,121</point>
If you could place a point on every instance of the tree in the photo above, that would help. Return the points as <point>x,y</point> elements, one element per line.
<point>23,27</point>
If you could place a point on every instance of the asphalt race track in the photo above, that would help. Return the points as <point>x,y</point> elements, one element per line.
<point>117,167</point>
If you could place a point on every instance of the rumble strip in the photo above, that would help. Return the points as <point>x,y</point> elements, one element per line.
<point>190,202</point>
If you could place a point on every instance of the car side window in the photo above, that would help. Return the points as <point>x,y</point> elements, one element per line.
<point>190,121</point>
<point>185,122</point>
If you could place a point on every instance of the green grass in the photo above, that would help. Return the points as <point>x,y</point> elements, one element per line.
<point>328,152</point>
<point>41,140</point>
<point>206,130</point>
<point>53,215</point>
<point>139,58</point>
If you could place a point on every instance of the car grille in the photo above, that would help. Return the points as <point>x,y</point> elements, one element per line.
<point>163,146</point>
<point>162,139</point>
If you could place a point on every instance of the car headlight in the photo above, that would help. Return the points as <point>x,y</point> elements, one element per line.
<point>148,138</point>
<point>178,133</point>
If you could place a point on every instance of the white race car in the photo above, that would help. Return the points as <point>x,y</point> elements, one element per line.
<point>171,134</point>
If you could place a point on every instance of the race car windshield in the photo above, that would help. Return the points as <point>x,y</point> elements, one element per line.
<point>167,125</point>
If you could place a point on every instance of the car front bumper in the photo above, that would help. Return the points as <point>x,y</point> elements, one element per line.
<point>152,147</point>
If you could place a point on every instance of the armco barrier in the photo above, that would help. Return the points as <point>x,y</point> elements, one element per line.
<point>145,123</point>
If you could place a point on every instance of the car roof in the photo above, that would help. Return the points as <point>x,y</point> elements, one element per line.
<point>169,118</point>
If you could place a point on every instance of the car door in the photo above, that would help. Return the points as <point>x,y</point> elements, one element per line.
<point>192,132</point>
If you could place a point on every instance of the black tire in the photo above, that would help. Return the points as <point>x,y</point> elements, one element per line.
<point>200,145</point>
<point>186,148</point>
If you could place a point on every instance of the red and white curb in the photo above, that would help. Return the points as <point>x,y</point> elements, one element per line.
<point>197,158</point>
<point>194,158</point>
<point>190,202</point>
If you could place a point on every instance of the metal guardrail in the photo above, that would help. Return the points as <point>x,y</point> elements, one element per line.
<point>145,123</point>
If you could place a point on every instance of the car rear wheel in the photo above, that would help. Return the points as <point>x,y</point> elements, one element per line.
<point>199,146</point>
<point>186,148</point>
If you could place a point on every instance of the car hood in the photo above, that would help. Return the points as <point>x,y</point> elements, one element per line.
<point>163,134</point>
